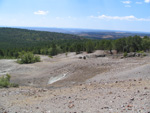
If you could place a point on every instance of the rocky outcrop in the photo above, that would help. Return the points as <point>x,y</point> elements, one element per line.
<point>134,54</point>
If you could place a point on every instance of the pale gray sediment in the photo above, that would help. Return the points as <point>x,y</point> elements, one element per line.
<point>57,78</point>
<point>94,85</point>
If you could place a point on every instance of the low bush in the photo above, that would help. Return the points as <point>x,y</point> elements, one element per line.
<point>125,54</point>
<point>142,52</point>
<point>50,56</point>
<point>27,58</point>
<point>5,82</point>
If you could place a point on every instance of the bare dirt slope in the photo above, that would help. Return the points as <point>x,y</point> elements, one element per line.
<point>94,85</point>
<point>38,74</point>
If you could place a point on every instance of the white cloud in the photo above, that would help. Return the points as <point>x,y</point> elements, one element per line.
<point>147,1</point>
<point>138,2</point>
<point>128,18</point>
<point>126,2</point>
<point>41,12</point>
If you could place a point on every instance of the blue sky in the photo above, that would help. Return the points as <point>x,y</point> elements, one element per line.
<point>128,15</point>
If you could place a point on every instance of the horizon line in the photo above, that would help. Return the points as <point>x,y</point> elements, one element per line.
<point>73,28</point>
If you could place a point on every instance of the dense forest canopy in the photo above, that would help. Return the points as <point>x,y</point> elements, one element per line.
<point>21,37</point>
<point>13,41</point>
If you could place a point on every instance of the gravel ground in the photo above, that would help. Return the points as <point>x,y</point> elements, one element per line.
<point>94,85</point>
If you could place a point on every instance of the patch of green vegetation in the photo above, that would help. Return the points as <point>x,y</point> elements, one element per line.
<point>5,82</point>
<point>125,54</point>
<point>27,58</point>
<point>50,56</point>
<point>66,54</point>
<point>140,52</point>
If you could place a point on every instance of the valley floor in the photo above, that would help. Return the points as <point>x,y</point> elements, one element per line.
<point>95,85</point>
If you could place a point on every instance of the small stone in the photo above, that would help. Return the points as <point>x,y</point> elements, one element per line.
<point>122,106</point>
<point>44,90</point>
<point>129,109</point>
<point>71,106</point>
<point>70,102</point>
<point>145,94</point>
<point>119,96</point>
<point>132,99</point>
<point>48,111</point>
<point>105,108</point>
<point>84,58</point>
<point>124,90</point>
<point>145,88</point>
<point>129,105</point>
<point>110,93</point>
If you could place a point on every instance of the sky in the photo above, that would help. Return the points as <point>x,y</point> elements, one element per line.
<point>123,15</point>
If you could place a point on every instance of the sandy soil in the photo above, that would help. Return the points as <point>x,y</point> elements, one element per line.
<point>95,85</point>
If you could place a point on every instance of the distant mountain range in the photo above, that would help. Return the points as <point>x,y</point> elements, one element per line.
<point>91,33</point>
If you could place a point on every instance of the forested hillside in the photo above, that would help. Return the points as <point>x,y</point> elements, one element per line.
<point>21,37</point>
<point>13,41</point>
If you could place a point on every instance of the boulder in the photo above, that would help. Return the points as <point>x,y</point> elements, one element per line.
<point>84,57</point>
<point>80,57</point>
<point>131,55</point>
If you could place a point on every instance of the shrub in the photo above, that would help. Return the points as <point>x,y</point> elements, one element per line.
<point>37,59</point>
<point>89,46</point>
<point>125,54</point>
<point>27,58</point>
<point>142,52</point>
<point>14,85</point>
<point>50,56</point>
<point>66,54</point>
<point>5,82</point>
